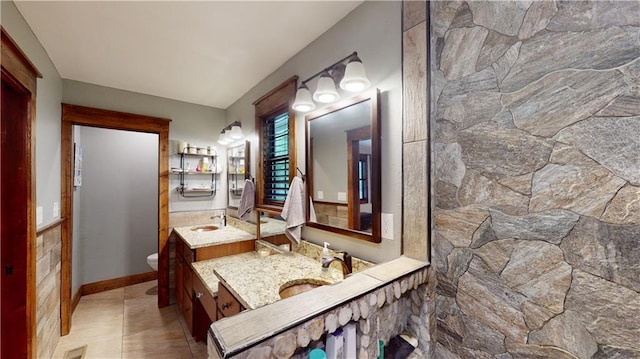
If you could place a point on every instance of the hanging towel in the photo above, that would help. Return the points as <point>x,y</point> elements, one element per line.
<point>293,210</point>
<point>312,211</point>
<point>247,200</point>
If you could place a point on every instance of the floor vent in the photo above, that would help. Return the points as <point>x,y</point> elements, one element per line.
<point>77,353</point>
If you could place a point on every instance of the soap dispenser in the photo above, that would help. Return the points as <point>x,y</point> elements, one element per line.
<point>326,255</point>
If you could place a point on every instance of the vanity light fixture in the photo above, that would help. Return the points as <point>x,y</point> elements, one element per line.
<point>352,78</point>
<point>231,133</point>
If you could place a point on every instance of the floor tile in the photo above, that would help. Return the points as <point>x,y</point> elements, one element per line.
<point>127,323</point>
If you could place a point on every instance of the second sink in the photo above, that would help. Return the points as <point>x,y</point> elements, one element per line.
<point>298,286</point>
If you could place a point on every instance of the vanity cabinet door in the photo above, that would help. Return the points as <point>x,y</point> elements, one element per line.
<point>228,305</point>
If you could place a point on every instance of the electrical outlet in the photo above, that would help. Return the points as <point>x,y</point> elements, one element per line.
<point>39,215</point>
<point>387,225</point>
<point>320,195</point>
<point>56,209</point>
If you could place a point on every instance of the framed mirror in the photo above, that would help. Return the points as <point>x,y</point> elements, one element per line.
<point>343,167</point>
<point>237,172</point>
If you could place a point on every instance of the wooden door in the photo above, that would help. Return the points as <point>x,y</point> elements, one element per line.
<point>14,178</point>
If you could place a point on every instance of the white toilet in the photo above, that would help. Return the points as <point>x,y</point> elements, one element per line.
<point>152,261</point>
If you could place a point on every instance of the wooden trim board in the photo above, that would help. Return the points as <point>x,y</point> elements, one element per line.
<point>115,283</point>
<point>87,116</point>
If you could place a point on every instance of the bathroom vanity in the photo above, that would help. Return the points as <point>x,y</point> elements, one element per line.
<point>197,243</point>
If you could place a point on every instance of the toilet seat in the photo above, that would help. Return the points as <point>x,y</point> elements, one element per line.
<point>152,261</point>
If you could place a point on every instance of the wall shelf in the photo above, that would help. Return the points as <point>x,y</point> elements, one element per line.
<point>189,165</point>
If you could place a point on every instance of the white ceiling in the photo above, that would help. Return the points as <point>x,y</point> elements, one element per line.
<point>203,52</point>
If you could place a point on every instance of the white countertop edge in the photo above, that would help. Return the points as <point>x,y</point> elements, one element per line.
<point>234,334</point>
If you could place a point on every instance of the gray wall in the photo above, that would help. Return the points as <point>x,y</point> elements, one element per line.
<point>374,30</point>
<point>537,181</point>
<point>330,167</point>
<point>118,218</point>
<point>189,122</point>
<point>49,96</point>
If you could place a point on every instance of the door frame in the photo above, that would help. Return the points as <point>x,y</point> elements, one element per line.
<point>87,116</point>
<point>17,66</point>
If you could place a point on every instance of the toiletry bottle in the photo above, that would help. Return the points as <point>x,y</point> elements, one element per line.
<point>326,255</point>
<point>223,220</point>
<point>317,354</point>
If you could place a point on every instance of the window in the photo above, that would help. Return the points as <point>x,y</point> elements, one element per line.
<point>275,140</point>
<point>275,124</point>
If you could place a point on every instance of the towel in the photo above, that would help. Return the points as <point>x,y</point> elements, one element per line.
<point>293,210</point>
<point>247,200</point>
<point>312,211</point>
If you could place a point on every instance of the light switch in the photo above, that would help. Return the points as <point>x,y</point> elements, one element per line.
<point>56,209</point>
<point>320,195</point>
<point>342,196</point>
<point>39,215</point>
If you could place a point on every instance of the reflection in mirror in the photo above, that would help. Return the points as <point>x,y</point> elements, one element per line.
<point>272,228</point>
<point>237,172</point>
<point>343,167</point>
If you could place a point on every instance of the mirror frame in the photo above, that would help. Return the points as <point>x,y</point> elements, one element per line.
<point>375,165</point>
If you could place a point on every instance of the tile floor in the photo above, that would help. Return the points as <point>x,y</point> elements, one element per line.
<point>127,323</point>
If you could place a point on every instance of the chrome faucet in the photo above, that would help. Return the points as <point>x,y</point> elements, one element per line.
<point>223,219</point>
<point>347,266</point>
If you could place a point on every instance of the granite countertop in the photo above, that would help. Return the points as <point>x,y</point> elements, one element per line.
<point>271,227</point>
<point>227,234</point>
<point>256,280</point>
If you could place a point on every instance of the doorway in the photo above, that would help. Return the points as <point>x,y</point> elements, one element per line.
<point>17,233</point>
<point>86,116</point>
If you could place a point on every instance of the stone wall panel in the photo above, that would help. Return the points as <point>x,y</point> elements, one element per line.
<point>537,269</point>
<point>624,208</point>
<point>550,226</point>
<point>613,142</point>
<point>483,295</point>
<point>478,189</point>
<point>567,332</point>
<point>505,17</point>
<point>449,165</point>
<point>583,189</point>
<point>458,58</point>
<point>554,267</point>
<point>586,15</point>
<point>495,45</point>
<point>611,313</point>
<point>520,152</point>
<point>537,18</point>
<point>457,226</point>
<point>606,250</point>
<point>563,98</point>
<point>548,52</point>
<point>496,254</point>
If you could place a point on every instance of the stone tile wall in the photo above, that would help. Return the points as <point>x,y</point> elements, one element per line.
<point>48,248</point>
<point>382,314</point>
<point>537,179</point>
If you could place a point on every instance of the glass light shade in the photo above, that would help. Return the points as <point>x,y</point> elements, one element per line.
<point>236,133</point>
<point>326,91</point>
<point>355,79</point>
<point>303,102</point>
<point>222,139</point>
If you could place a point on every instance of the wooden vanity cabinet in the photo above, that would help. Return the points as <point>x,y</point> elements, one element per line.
<point>199,312</point>
<point>228,305</point>
<point>204,309</point>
